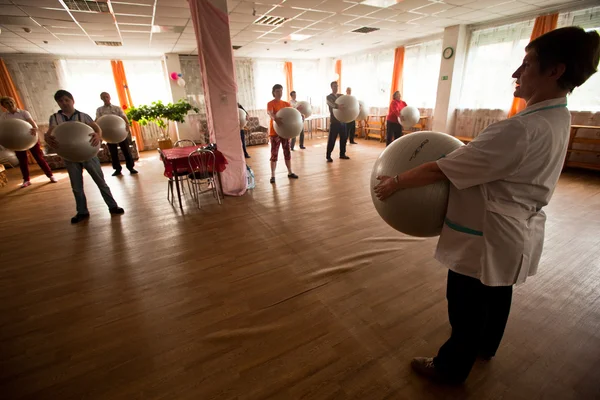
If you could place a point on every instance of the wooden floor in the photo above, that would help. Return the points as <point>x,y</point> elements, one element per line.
<point>297,290</point>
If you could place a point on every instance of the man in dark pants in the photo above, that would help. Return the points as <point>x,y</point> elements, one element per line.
<point>108,109</point>
<point>493,232</point>
<point>336,128</point>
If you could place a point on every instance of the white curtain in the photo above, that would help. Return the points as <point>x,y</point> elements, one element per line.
<point>370,76</point>
<point>244,75</point>
<point>586,97</point>
<point>86,79</point>
<point>147,81</point>
<point>267,73</point>
<point>421,72</point>
<point>493,55</point>
<point>305,73</point>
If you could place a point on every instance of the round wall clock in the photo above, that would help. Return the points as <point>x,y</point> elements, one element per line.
<point>448,53</point>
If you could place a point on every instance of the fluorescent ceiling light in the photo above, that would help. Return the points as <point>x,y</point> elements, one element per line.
<point>380,3</point>
<point>298,37</point>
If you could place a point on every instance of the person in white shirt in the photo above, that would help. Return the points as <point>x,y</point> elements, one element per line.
<point>36,151</point>
<point>494,229</point>
<point>107,109</point>
<point>294,103</point>
<point>350,126</point>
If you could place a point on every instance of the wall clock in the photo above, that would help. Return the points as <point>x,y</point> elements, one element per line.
<point>448,53</point>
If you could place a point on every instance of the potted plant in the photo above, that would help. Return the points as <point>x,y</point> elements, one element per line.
<point>161,114</point>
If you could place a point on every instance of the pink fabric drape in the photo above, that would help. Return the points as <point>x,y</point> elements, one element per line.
<point>215,55</point>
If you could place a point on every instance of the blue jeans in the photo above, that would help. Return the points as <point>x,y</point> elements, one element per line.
<point>93,168</point>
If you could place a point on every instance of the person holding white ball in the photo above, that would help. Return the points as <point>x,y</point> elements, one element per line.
<point>36,151</point>
<point>109,109</point>
<point>272,108</point>
<point>68,113</point>
<point>294,104</point>
<point>494,228</point>
<point>336,128</point>
<point>393,128</point>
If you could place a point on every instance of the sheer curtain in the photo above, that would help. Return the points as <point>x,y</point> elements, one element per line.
<point>421,72</point>
<point>244,75</point>
<point>370,76</point>
<point>493,55</point>
<point>266,74</point>
<point>586,97</point>
<point>306,85</point>
<point>86,79</point>
<point>147,81</point>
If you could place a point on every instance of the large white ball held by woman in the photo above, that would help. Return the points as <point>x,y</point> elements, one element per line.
<point>417,211</point>
<point>349,109</point>
<point>74,141</point>
<point>305,108</point>
<point>292,123</point>
<point>114,129</point>
<point>363,111</point>
<point>15,135</point>
<point>409,117</point>
<point>242,117</point>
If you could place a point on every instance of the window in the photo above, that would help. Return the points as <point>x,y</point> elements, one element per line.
<point>421,72</point>
<point>266,74</point>
<point>147,81</point>
<point>586,97</point>
<point>370,77</point>
<point>86,79</point>
<point>306,83</point>
<point>493,55</point>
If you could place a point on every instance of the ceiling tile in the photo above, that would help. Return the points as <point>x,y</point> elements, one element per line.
<point>11,10</point>
<point>92,17</point>
<point>453,12</point>
<point>481,4</point>
<point>518,10</point>
<point>459,2</point>
<point>57,23</point>
<point>306,4</point>
<point>250,7</point>
<point>408,5</point>
<point>130,20</point>
<point>132,9</point>
<point>285,12</point>
<point>361,10</point>
<point>433,8</point>
<point>334,6</point>
<point>314,15</point>
<point>340,19</point>
<point>173,12</point>
<point>404,17</point>
<point>38,3</point>
<point>371,22</point>
<point>170,21</point>
<point>45,13</point>
<point>238,17</point>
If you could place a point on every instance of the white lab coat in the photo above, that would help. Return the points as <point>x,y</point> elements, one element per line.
<point>494,228</point>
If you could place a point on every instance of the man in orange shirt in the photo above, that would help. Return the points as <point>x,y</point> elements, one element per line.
<point>272,107</point>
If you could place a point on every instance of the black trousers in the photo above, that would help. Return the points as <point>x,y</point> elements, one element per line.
<point>478,315</point>
<point>337,129</point>
<point>114,155</point>
<point>392,132</point>
<point>243,137</point>
<point>351,130</point>
<point>301,140</point>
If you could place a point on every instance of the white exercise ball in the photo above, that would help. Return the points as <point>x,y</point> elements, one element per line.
<point>8,157</point>
<point>114,129</point>
<point>409,117</point>
<point>292,123</point>
<point>349,108</point>
<point>15,135</point>
<point>417,211</point>
<point>242,117</point>
<point>363,111</point>
<point>305,108</point>
<point>74,141</point>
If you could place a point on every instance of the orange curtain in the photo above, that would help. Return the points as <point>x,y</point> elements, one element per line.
<point>338,71</point>
<point>398,71</point>
<point>543,24</point>
<point>125,99</point>
<point>289,80</point>
<point>7,87</point>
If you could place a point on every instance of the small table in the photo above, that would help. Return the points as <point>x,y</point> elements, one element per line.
<point>176,159</point>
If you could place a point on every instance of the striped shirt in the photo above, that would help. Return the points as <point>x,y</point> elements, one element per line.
<point>59,117</point>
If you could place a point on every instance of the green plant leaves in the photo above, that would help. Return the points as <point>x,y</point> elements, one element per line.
<point>160,113</point>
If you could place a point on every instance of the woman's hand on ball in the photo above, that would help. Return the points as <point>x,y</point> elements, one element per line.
<point>386,187</point>
<point>33,131</point>
<point>96,139</point>
<point>279,121</point>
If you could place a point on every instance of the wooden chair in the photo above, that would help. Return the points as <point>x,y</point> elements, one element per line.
<point>375,127</point>
<point>592,142</point>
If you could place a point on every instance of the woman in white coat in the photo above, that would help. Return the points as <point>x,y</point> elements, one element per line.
<point>494,230</point>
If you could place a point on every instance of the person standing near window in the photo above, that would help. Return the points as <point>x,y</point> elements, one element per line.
<point>393,128</point>
<point>272,107</point>
<point>294,103</point>
<point>243,134</point>
<point>108,109</point>
<point>12,112</point>
<point>336,128</point>
<point>350,126</point>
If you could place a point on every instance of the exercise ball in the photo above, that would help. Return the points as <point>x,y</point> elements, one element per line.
<point>305,108</point>
<point>292,123</point>
<point>409,117</point>
<point>74,141</point>
<point>113,127</point>
<point>363,111</point>
<point>15,135</point>
<point>417,211</point>
<point>242,117</point>
<point>349,110</point>
<point>8,157</point>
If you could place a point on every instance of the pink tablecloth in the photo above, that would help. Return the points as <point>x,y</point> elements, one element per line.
<point>176,159</point>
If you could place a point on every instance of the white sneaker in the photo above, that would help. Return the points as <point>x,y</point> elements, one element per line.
<point>25,184</point>
<point>53,179</point>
